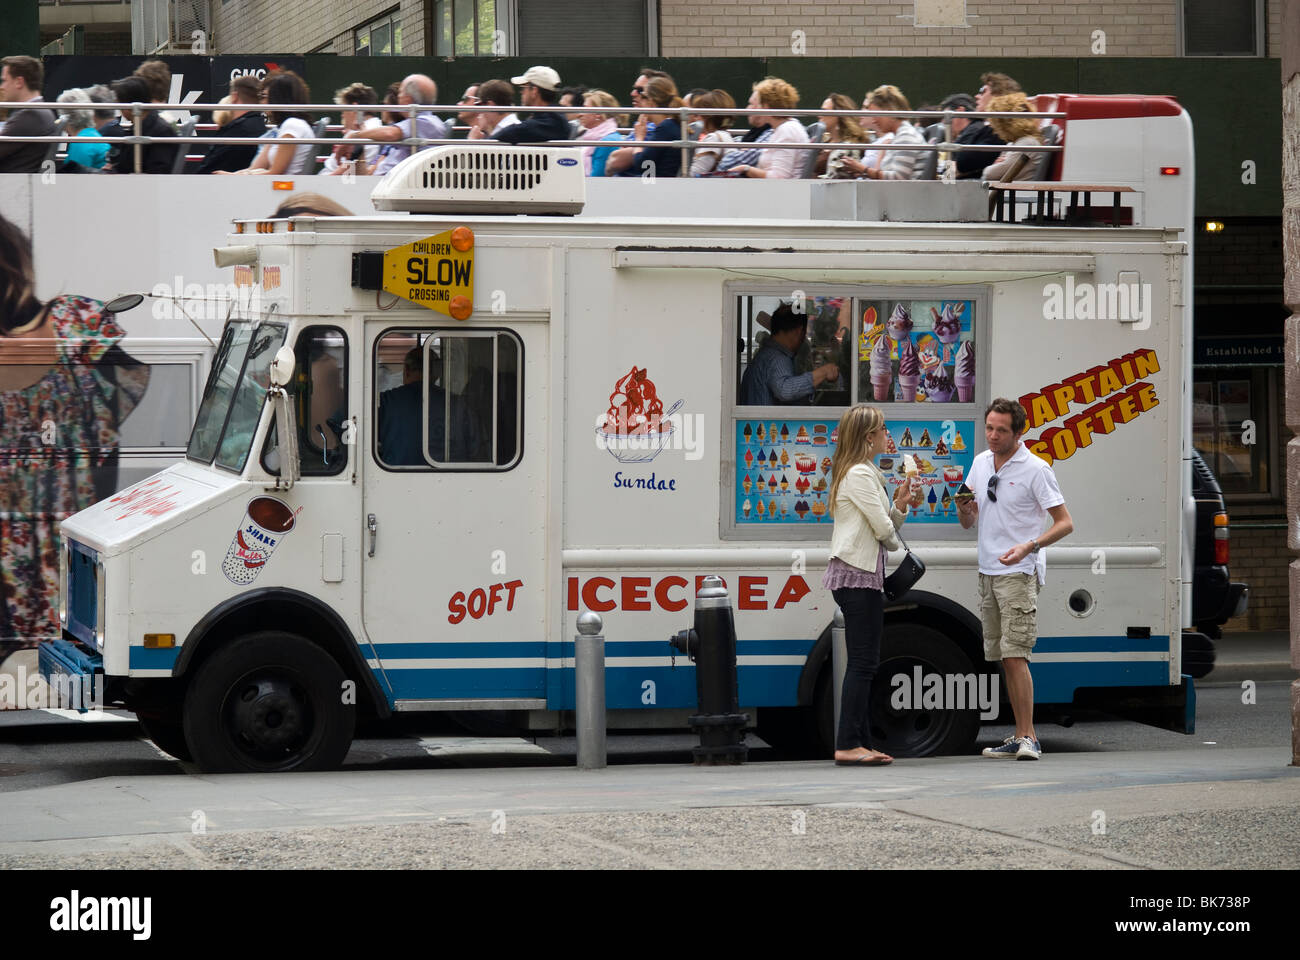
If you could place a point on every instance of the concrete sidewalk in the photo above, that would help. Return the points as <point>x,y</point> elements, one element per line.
<point>1205,808</point>
<point>1257,655</point>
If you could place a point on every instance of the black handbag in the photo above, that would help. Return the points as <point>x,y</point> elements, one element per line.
<point>905,576</point>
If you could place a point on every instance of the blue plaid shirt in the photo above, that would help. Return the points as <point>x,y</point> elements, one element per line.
<point>770,379</point>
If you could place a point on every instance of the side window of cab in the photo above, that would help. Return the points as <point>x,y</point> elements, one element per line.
<point>320,393</point>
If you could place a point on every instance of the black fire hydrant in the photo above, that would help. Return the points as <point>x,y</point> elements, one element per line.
<point>711,645</point>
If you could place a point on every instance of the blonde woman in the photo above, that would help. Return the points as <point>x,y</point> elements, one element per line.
<point>895,164</point>
<point>599,126</point>
<point>1017,131</point>
<point>774,94</point>
<point>866,525</point>
<point>830,165</point>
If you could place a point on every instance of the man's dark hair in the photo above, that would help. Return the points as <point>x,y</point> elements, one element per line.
<point>29,68</point>
<point>958,101</point>
<point>285,86</point>
<point>133,89</point>
<point>784,318</point>
<point>999,83</point>
<point>1012,407</point>
<point>498,93</point>
<point>577,91</point>
<point>247,88</point>
<point>548,97</point>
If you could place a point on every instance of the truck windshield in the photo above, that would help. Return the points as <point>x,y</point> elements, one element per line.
<point>235,394</point>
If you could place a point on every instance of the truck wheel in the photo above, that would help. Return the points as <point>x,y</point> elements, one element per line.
<point>268,702</point>
<point>907,732</point>
<point>167,733</point>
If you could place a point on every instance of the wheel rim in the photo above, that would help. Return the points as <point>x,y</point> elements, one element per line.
<point>906,732</point>
<point>268,718</point>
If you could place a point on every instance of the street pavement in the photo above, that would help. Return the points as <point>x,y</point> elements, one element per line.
<point>1224,798</point>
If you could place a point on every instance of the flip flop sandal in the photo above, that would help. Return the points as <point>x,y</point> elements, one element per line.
<point>866,760</point>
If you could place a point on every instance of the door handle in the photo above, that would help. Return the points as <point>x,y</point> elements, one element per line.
<point>373,526</point>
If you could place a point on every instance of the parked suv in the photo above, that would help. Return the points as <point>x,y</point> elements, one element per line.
<point>1215,597</point>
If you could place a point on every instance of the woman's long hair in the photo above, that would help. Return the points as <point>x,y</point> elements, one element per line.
<point>854,445</point>
<point>662,92</point>
<point>18,303</point>
<point>850,129</point>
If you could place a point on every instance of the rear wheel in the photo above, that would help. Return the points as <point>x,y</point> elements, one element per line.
<point>268,702</point>
<point>910,726</point>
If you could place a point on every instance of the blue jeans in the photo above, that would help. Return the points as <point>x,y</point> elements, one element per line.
<point>864,622</point>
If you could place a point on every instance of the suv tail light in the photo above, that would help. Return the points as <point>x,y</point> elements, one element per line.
<point>1221,538</point>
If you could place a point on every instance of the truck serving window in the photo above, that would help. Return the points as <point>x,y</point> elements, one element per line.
<point>319,387</point>
<point>449,400</point>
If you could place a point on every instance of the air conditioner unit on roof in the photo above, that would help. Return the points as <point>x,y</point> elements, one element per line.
<point>490,179</point>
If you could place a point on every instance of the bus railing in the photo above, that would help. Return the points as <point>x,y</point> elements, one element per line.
<point>683,114</point>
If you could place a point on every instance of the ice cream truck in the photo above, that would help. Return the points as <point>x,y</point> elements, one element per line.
<point>440,432</point>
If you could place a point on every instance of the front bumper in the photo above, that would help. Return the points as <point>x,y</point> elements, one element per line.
<point>76,678</point>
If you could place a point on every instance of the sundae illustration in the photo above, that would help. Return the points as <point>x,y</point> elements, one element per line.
<point>909,370</point>
<point>801,508</point>
<point>889,446</point>
<point>947,324</point>
<point>899,325</point>
<point>805,463</point>
<point>965,378</point>
<point>940,450</point>
<point>907,438</point>
<point>938,385</point>
<point>958,443</point>
<point>802,435</point>
<point>635,428</point>
<point>265,523</point>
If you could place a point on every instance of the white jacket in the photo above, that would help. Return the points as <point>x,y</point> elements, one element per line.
<point>865,517</point>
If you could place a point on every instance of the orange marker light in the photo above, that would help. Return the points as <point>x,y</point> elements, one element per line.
<point>1169,171</point>
<point>462,238</point>
<point>460,307</point>
<point>281,184</point>
<point>159,641</point>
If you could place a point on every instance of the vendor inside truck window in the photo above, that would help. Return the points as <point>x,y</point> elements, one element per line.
<point>470,401</point>
<point>796,354</point>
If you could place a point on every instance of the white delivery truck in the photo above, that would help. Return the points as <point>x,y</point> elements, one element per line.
<point>437,437</point>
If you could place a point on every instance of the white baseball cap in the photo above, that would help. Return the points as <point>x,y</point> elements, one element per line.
<point>543,77</point>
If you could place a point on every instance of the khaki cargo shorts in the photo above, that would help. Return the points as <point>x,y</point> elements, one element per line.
<point>1009,613</point>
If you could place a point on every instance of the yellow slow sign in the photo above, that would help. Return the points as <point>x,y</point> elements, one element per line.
<point>436,272</point>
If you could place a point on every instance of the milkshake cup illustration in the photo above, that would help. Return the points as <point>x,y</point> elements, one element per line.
<point>265,523</point>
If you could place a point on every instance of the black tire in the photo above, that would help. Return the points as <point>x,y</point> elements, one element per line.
<point>268,702</point>
<point>168,733</point>
<point>907,732</point>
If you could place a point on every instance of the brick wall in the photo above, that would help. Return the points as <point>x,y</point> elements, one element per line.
<point>1260,558</point>
<point>273,26</point>
<point>835,28</point>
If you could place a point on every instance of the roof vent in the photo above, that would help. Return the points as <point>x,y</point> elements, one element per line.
<point>492,179</point>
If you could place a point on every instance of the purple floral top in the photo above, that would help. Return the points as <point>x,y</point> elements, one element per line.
<point>841,576</point>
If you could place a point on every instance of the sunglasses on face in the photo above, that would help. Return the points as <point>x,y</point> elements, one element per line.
<point>993,485</point>
<point>638,89</point>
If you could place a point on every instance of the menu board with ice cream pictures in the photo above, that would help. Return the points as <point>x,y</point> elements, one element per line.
<point>783,471</point>
<point>939,452</point>
<point>916,351</point>
<point>783,468</point>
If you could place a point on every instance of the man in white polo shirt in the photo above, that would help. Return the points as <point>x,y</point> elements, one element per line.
<point>1015,492</point>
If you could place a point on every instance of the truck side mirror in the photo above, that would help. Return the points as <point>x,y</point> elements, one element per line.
<point>282,367</point>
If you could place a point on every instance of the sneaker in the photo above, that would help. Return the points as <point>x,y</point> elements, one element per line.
<point>1008,749</point>
<point>1030,749</point>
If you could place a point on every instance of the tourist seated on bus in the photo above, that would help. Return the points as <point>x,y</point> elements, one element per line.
<point>243,119</point>
<point>894,164</point>
<point>280,156</point>
<point>1018,131</point>
<point>83,157</point>
<point>600,127</point>
<point>156,157</point>
<point>663,161</point>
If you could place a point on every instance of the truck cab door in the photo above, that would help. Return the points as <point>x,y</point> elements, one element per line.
<point>455,507</point>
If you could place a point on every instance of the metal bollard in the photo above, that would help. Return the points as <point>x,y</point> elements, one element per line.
<point>839,662</point>
<point>589,671</point>
<point>712,646</point>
